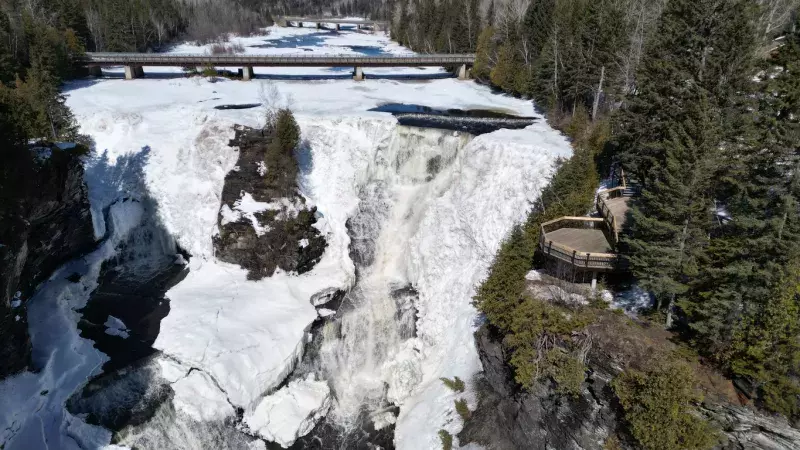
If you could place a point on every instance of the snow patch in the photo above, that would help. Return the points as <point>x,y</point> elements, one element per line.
<point>198,396</point>
<point>116,327</point>
<point>246,207</point>
<point>533,275</point>
<point>325,312</point>
<point>291,412</point>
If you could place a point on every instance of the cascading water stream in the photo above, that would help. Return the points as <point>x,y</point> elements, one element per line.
<point>358,349</point>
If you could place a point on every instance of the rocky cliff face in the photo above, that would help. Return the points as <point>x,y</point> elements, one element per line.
<point>508,418</point>
<point>39,231</point>
<point>265,224</point>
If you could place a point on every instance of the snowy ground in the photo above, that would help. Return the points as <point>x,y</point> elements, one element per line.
<point>161,138</point>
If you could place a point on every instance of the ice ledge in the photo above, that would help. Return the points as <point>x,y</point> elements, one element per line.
<point>291,412</point>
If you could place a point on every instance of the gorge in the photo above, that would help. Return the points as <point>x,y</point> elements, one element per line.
<point>411,218</point>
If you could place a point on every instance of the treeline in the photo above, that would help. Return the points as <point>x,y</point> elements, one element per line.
<point>713,136</point>
<point>701,100</point>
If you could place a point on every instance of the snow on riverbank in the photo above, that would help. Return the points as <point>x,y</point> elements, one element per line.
<point>32,414</point>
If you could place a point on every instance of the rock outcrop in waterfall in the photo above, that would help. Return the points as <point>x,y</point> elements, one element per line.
<point>264,223</point>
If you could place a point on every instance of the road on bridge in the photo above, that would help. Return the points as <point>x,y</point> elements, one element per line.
<point>133,62</point>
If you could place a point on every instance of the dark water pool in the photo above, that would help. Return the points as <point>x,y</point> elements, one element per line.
<point>474,121</point>
<point>238,106</point>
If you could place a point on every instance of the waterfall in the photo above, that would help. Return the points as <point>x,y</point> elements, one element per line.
<point>356,350</point>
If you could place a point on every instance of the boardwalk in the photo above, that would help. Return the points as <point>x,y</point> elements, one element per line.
<point>587,245</point>
<point>619,209</point>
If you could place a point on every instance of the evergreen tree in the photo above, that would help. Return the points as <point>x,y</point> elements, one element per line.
<point>485,53</point>
<point>745,315</point>
<point>677,128</point>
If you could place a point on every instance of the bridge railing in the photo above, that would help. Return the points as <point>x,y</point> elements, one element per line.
<point>160,59</point>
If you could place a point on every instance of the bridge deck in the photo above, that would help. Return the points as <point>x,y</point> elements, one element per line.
<point>332,20</point>
<point>160,59</point>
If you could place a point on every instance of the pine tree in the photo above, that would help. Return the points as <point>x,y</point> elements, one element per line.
<point>671,219</point>
<point>505,70</point>
<point>747,315</point>
<point>537,25</point>
<point>677,130</point>
<point>485,53</point>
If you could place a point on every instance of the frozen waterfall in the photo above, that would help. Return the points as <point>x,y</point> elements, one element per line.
<point>424,211</point>
<point>407,170</point>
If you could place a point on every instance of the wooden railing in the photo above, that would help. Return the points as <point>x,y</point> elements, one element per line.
<point>607,216</point>
<point>579,259</point>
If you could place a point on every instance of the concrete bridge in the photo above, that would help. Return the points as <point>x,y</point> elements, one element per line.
<point>134,62</point>
<point>377,25</point>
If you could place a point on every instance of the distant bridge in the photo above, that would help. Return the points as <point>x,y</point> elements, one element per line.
<point>134,62</point>
<point>376,25</point>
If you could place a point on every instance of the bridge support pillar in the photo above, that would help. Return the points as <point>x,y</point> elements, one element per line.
<point>300,24</point>
<point>594,281</point>
<point>132,72</point>
<point>319,25</point>
<point>462,72</point>
<point>358,74</point>
<point>338,26</point>
<point>247,73</point>
<point>95,71</point>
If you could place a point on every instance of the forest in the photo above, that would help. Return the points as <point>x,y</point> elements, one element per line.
<point>699,102</point>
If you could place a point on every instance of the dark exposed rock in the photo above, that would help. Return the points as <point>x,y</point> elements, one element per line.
<point>329,436</point>
<point>38,233</point>
<point>139,301</point>
<point>125,397</point>
<point>289,241</point>
<point>406,298</point>
<point>508,418</point>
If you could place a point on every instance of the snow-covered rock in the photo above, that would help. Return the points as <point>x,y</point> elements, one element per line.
<point>198,396</point>
<point>116,327</point>
<point>533,275</point>
<point>291,412</point>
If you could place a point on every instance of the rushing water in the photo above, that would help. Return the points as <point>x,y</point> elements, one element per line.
<point>358,350</point>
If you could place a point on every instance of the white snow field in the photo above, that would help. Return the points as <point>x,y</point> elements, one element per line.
<point>291,412</point>
<point>160,138</point>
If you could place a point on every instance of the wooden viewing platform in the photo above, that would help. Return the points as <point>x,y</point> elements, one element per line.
<point>581,242</point>
<point>588,244</point>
